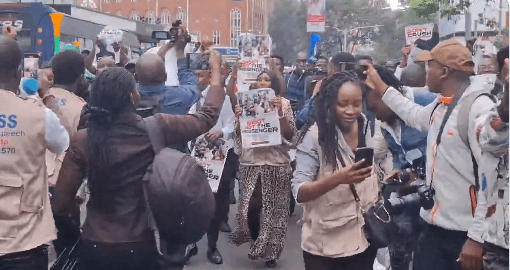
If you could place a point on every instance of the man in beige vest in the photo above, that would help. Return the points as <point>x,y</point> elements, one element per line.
<point>27,130</point>
<point>68,69</point>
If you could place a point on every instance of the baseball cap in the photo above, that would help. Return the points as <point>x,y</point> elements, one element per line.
<point>450,54</point>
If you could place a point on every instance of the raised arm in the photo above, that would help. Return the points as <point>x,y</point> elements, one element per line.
<point>89,60</point>
<point>414,115</point>
<point>183,128</point>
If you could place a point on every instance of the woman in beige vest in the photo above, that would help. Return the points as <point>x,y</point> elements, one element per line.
<point>264,183</point>
<point>331,187</point>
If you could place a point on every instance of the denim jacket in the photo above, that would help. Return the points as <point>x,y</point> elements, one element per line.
<point>295,88</point>
<point>178,99</point>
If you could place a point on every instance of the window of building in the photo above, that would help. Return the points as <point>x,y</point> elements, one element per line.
<point>151,17</point>
<point>235,27</point>
<point>106,1</point>
<point>165,17</point>
<point>119,13</point>
<point>118,1</point>
<point>181,14</point>
<point>135,16</point>
<point>216,37</point>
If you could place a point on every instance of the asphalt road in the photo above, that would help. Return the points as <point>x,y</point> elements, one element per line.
<point>236,258</point>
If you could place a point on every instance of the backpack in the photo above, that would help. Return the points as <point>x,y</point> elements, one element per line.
<point>177,194</point>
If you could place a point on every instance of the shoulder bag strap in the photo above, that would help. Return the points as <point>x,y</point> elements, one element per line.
<point>157,141</point>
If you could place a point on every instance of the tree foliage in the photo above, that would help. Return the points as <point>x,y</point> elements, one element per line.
<point>447,8</point>
<point>288,28</point>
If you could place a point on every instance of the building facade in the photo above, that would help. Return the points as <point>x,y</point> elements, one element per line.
<point>219,21</point>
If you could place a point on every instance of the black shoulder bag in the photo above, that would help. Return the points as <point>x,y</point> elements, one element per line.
<point>378,226</point>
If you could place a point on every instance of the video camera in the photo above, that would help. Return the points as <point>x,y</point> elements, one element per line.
<point>419,194</point>
<point>316,71</point>
<point>171,34</point>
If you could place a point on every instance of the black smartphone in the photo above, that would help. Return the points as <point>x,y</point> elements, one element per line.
<point>198,61</point>
<point>31,63</point>
<point>360,70</point>
<point>366,153</point>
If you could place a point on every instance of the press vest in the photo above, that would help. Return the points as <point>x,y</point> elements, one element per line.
<point>333,223</point>
<point>25,211</point>
<point>71,106</point>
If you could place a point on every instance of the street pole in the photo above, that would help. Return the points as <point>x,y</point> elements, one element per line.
<point>500,23</point>
<point>467,22</point>
<point>344,46</point>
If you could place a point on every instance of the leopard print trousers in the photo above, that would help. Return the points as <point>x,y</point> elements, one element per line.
<point>275,185</point>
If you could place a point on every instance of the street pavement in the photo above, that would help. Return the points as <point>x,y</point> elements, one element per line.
<point>236,258</point>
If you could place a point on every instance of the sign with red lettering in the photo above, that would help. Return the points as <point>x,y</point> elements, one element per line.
<point>259,122</point>
<point>211,156</point>
<point>316,16</point>
<point>415,32</point>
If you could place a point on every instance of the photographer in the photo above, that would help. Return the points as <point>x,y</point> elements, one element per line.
<point>451,163</point>
<point>295,83</point>
<point>151,74</point>
<point>316,74</point>
<point>400,141</point>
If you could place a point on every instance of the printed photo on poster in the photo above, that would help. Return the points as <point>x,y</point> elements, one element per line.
<point>415,32</point>
<point>316,16</point>
<point>259,122</point>
<point>254,47</point>
<point>108,41</point>
<point>211,156</point>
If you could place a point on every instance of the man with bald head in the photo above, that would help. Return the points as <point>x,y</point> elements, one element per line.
<point>295,83</point>
<point>413,75</point>
<point>27,130</point>
<point>156,97</point>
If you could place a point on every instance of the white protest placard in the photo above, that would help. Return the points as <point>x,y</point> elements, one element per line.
<point>212,157</point>
<point>259,122</point>
<point>254,46</point>
<point>249,70</point>
<point>415,32</point>
<point>106,39</point>
<point>316,16</point>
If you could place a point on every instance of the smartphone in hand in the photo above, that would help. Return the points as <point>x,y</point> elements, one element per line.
<point>366,153</point>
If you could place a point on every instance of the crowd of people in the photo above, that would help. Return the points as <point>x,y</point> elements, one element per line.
<point>415,154</point>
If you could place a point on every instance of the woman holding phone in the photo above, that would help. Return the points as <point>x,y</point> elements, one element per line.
<point>333,189</point>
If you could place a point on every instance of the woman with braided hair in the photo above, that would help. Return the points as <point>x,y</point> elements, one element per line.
<point>264,183</point>
<point>114,152</point>
<point>332,188</point>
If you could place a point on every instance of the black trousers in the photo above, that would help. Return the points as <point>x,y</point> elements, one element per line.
<point>254,211</point>
<point>222,198</point>
<point>34,259</point>
<point>438,248</point>
<point>362,261</point>
<point>68,227</point>
<point>122,256</point>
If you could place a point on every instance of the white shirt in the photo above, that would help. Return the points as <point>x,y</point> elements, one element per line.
<point>226,119</point>
<point>451,172</point>
<point>57,138</point>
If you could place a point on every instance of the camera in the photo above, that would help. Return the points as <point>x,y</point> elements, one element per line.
<point>419,194</point>
<point>316,71</point>
<point>422,196</point>
<point>172,34</point>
